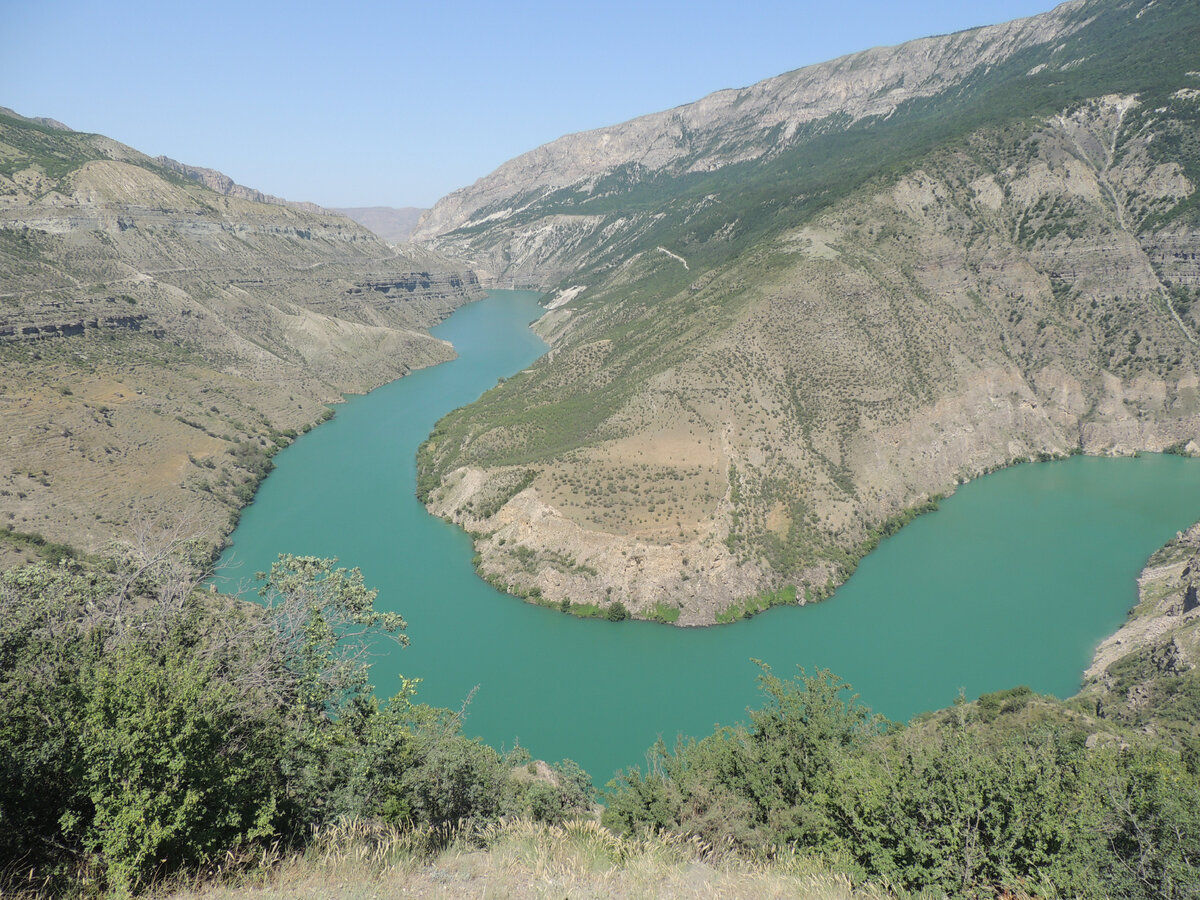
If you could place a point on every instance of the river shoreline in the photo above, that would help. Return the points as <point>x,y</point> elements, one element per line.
<point>918,620</point>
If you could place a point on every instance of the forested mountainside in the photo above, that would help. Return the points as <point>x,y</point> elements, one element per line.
<point>784,319</point>
<point>163,330</point>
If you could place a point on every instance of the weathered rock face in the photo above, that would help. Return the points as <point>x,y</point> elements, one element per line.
<point>195,317</point>
<point>223,184</point>
<point>754,371</point>
<point>1141,676</point>
<point>734,126</point>
<point>71,328</point>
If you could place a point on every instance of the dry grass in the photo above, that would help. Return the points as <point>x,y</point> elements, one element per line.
<point>520,859</point>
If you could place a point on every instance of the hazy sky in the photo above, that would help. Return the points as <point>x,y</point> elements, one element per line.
<point>376,103</point>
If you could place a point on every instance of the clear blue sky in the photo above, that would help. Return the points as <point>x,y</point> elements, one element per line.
<point>363,103</point>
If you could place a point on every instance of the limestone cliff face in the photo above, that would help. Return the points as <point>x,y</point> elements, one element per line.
<point>765,348</point>
<point>718,131</point>
<point>200,315</point>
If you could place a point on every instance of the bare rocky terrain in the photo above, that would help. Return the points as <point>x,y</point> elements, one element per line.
<point>1146,674</point>
<point>765,357</point>
<point>160,338</point>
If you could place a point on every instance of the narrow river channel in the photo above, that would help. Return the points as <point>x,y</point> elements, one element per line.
<point>1014,581</point>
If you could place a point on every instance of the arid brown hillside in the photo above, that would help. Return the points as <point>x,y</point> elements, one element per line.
<point>159,339</point>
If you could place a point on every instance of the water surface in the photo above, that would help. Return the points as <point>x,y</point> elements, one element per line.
<point>1014,581</point>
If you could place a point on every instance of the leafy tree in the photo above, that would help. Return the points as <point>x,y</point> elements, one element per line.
<point>753,785</point>
<point>958,810</point>
<point>616,612</point>
<point>44,646</point>
<point>1144,835</point>
<point>321,627</point>
<point>314,641</point>
<point>795,742</point>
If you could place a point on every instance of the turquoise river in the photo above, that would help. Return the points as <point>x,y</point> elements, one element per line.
<point>1013,581</point>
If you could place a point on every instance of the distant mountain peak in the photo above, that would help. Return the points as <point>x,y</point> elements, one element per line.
<point>223,184</point>
<point>391,223</point>
<point>37,120</point>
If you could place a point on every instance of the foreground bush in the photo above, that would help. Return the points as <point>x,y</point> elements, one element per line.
<point>151,727</point>
<point>964,803</point>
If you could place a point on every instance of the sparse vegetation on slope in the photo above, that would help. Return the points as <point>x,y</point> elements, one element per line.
<point>156,335</point>
<point>873,311</point>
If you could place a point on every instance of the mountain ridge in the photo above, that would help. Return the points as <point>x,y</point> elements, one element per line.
<point>756,371</point>
<point>788,100</point>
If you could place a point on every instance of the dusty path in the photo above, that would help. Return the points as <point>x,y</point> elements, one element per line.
<point>674,256</point>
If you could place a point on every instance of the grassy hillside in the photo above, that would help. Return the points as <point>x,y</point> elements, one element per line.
<point>770,362</point>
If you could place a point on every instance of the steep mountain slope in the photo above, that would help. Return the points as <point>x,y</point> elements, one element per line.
<point>759,152</point>
<point>770,350</point>
<point>159,338</point>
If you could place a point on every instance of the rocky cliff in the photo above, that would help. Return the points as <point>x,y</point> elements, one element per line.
<point>1146,675</point>
<point>158,338</point>
<point>223,184</point>
<point>934,260</point>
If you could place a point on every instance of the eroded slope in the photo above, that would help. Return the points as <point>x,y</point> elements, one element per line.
<point>732,415</point>
<point>158,339</point>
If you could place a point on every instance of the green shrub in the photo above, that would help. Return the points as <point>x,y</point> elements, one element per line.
<point>188,726</point>
<point>174,768</point>
<point>616,612</point>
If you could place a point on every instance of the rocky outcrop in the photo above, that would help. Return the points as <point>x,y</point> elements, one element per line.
<point>1145,673</point>
<point>1164,625</point>
<point>417,285</point>
<point>25,331</point>
<point>223,184</point>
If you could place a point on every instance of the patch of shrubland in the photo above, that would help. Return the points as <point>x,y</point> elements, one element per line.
<point>1005,796</point>
<point>153,728</point>
<point>213,748</point>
